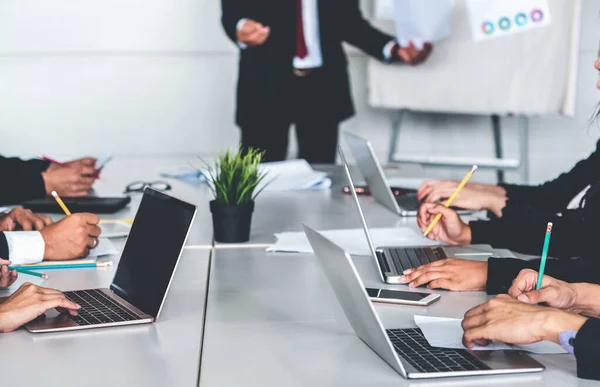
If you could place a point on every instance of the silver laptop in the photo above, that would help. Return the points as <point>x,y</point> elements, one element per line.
<point>405,203</point>
<point>393,261</point>
<point>144,274</point>
<point>405,350</point>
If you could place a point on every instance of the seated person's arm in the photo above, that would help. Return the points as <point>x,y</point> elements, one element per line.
<point>70,238</point>
<point>474,196</point>
<point>28,303</point>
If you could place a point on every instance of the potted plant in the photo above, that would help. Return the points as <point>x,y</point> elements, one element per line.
<point>234,180</point>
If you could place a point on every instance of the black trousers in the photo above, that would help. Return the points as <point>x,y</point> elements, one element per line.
<point>316,130</point>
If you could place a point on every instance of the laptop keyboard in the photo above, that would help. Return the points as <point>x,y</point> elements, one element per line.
<point>407,258</point>
<point>408,202</point>
<point>97,308</point>
<point>412,346</point>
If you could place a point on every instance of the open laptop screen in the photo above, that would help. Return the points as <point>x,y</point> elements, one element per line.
<point>150,255</point>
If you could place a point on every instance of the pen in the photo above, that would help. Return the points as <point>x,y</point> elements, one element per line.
<point>51,160</point>
<point>451,199</point>
<point>70,266</point>
<point>544,255</point>
<point>28,272</point>
<point>61,203</point>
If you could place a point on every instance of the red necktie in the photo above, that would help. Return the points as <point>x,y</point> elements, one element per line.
<point>301,49</point>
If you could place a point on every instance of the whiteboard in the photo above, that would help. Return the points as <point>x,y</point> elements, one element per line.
<point>531,73</point>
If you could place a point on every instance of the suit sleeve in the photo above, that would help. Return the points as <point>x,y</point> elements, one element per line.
<point>587,350</point>
<point>22,180</point>
<point>360,33</point>
<point>3,247</point>
<point>524,231</point>
<point>555,195</point>
<point>232,12</point>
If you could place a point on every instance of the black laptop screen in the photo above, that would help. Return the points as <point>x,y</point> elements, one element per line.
<point>152,250</point>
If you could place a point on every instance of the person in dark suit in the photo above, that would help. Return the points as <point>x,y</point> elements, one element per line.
<point>24,180</point>
<point>293,69</point>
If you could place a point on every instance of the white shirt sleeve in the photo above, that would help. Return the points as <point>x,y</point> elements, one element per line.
<point>387,50</point>
<point>25,247</point>
<point>238,27</point>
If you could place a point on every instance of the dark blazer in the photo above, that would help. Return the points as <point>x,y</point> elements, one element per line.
<point>266,74</point>
<point>587,350</point>
<point>3,247</point>
<point>21,180</point>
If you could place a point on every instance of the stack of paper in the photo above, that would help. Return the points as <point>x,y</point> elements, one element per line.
<point>352,241</point>
<point>442,332</point>
<point>282,176</point>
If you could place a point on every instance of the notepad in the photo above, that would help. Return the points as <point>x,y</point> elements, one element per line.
<point>353,241</point>
<point>116,229</point>
<point>443,332</point>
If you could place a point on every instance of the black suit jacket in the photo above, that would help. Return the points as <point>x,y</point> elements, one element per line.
<point>21,180</point>
<point>265,73</point>
<point>3,247</point>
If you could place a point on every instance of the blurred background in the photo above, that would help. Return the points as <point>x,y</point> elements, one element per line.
<point>141,77</point>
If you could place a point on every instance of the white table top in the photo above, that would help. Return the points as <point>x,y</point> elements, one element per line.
<point>166,353</point>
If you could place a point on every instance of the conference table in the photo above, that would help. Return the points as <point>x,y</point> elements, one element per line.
<point>237,315</point>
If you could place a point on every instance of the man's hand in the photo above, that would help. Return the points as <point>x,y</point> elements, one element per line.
<point>555,293</point>
<point>24,218</point>
<point>253,33</point>
<point>454,274</point>
<point>71,238</point>
<point>412,55</point>
<point>511,321</point>
<point>474,196</point>
<point>29,302</point>
<point>450,229</point>
<point>75,181</point>
<point>84,162</point>
<point>7,277</point>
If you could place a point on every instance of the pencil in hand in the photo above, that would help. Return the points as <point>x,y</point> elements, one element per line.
<point>451,199</point>
<point>61,203</point>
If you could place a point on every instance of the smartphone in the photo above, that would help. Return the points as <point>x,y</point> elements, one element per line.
<point>402,297</point>
<point>364,190</point>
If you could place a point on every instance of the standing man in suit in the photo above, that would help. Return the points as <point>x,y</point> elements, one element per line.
<point>293,69</point>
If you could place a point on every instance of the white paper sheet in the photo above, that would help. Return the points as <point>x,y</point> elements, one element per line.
<point>491,19</point>
<point>421,21</point>
<point>408,183</point>
<point>116,229</point>
<point>384,9</point>
<point>443,332</point>
<point>288,175</point>
<point>352,241</point>
<point>105,247</point>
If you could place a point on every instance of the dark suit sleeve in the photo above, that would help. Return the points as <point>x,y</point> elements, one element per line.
<point>3,247</point>
<point>587,350</point>
<point>359,32</point>
<point>21,180</point>
<point>555,195</point>
<point>232,12</point>
<point>524,231</point>
<point>502,271</point>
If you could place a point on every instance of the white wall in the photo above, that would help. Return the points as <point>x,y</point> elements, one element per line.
<point>158,76</point>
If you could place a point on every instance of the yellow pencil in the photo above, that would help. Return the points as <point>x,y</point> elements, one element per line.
<point>128,221</point>
<point>451,199</point>
<point>61,203</point>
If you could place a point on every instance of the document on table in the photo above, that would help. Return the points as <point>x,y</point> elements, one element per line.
<point>116,229</point>
<point>105,247</point>
<point>353,241</point>
<point>443,332</point>
<point>421,21</point>
<point>291,175</point>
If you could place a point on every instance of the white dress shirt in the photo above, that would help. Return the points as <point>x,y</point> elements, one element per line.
<point>25,247</point>
<point>312,37</point>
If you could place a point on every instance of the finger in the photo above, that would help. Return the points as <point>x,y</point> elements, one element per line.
<point>442,283</point>
<point>441,262</point>
<point>60,302</point>
<point>479,309</point>
<point>87,170</point>
<point>254,38</point>
<point>91,242</point>
<point>89,161</point>
<point>525,281</point>
<point>473,322</point>
<point>427,277</point>
<point>249,28</point>
<point>4,262</point>
<point>90,218</point>
<point>38,223</point>
<point>46,219</point>
<point>94,231</point>
<point>424,190</point>
<point>4,277</point>
<point>25,222</point>
<point>404,55</point>
<point>477,335</point>
<point>47,291</point>
<point>548,295</point>
<point>85,181</point>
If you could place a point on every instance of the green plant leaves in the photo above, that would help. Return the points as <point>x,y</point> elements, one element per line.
<point>235,176</point>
